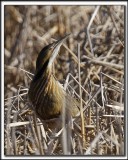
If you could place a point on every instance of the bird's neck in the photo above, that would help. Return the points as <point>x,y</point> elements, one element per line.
<point>50,76</point>
<point>43,73</point>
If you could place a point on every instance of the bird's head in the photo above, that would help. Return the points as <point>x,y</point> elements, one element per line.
<point>48,54</point>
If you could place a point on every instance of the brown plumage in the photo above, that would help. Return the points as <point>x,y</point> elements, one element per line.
<point>46,93</point>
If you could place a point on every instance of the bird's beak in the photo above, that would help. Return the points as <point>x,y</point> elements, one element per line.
<point>56,47</point>
<point>59,42</point>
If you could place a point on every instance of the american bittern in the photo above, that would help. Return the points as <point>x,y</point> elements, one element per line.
<point>46,93</point>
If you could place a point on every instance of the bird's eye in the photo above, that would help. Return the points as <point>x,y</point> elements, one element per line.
<point>51,47</point>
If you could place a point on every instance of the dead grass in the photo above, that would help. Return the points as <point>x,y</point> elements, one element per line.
<point>90,66</point>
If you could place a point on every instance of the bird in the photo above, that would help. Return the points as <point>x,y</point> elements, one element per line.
<point>46,94</point>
